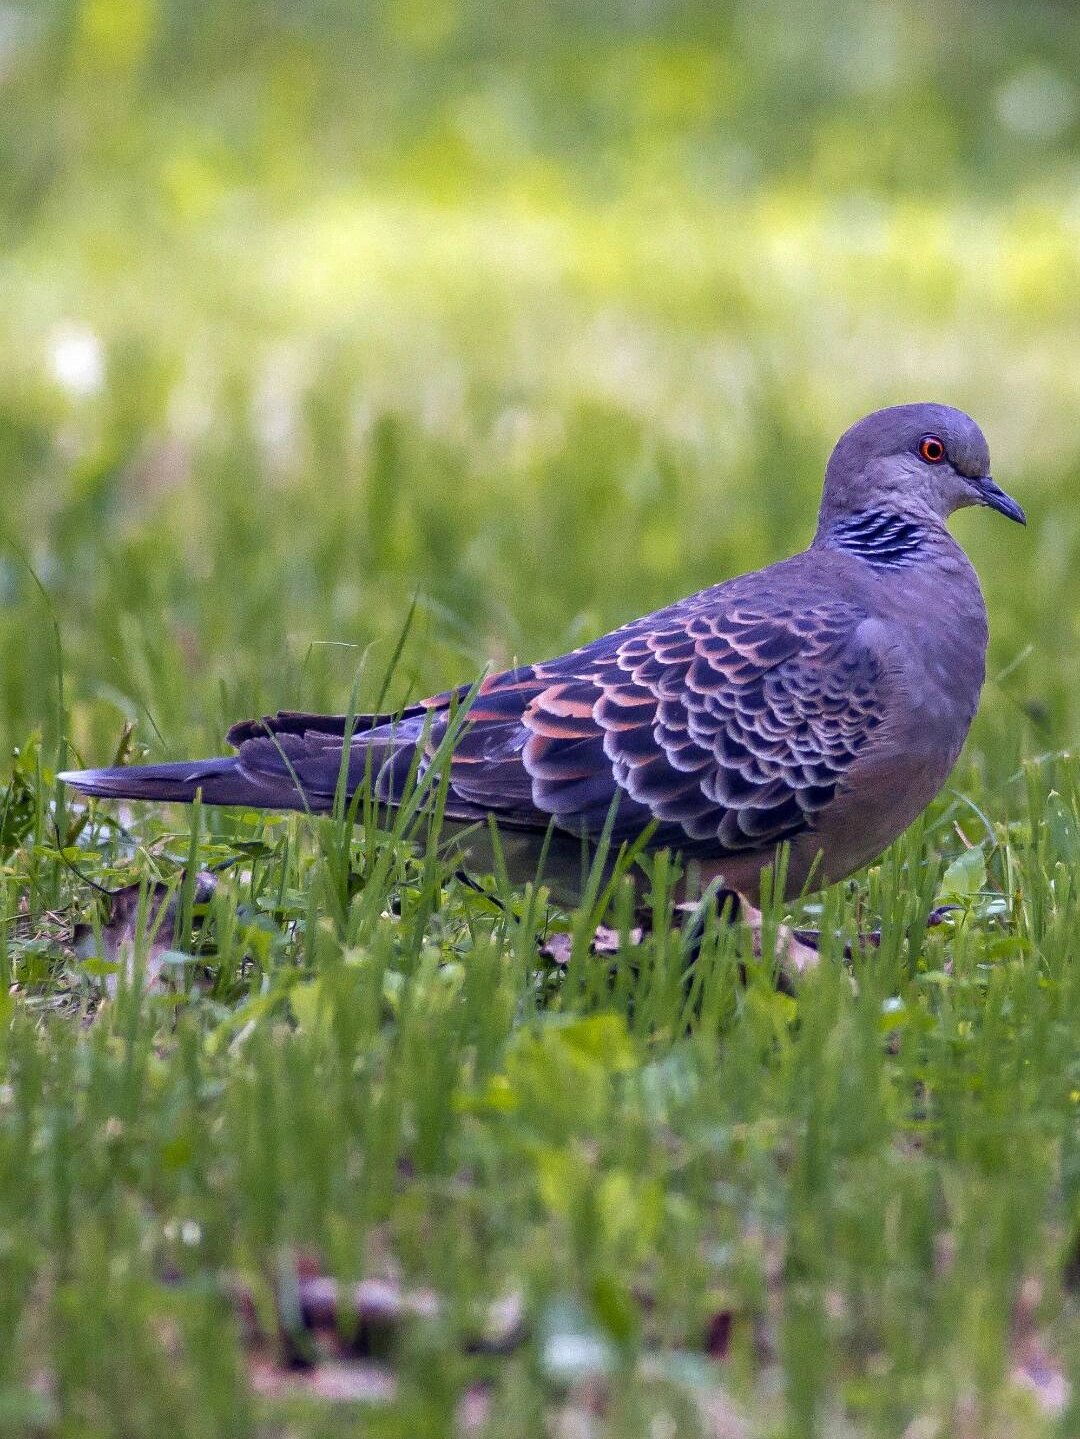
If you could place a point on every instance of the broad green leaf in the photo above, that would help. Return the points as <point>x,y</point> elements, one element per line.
<point>966,876</point>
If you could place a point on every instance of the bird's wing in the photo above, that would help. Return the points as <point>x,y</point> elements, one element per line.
<point>730,724</point>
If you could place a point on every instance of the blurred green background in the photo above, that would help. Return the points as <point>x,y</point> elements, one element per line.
<point>546,314</point>
<point>543,315</point>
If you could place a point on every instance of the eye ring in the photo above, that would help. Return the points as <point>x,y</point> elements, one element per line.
<point>932,449</point>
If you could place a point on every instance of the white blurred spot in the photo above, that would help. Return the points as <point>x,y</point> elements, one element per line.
<point>275,408</point>
<point>188,1231</point>
<point>569,1358</point>
<point>1037,104</point>
<point>77,360</point>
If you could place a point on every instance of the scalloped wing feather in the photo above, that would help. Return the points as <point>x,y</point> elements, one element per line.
<point>730,725</point>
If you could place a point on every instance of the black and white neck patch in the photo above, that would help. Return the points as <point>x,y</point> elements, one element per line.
<point>884,540</point>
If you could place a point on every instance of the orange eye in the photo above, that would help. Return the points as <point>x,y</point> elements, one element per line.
<point>931,449</point>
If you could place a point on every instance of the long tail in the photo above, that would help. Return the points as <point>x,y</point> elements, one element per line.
<point>219,781</point>
<point>285,761</point>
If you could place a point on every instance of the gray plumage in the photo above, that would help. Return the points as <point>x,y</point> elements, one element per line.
<point>820,702</point>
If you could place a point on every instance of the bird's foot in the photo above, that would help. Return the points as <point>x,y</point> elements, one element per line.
<point>871,939</point>
<point>793,955</point>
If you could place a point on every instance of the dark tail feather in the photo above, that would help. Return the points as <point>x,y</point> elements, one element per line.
<point>221,781</point>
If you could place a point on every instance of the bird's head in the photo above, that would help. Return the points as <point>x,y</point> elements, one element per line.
<point>919,460</point>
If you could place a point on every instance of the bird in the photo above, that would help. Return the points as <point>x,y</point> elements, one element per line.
<point>815,706</point>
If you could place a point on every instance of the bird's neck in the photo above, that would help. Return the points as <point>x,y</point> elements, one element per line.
<point>882,537</point>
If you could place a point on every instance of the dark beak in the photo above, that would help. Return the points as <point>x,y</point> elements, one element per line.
<point>994,496</point>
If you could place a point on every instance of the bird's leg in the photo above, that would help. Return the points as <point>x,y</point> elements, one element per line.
<point>793,956</point>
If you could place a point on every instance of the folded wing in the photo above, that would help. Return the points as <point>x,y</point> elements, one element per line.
<point>729,725</point>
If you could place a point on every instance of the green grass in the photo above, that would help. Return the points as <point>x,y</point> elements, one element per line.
<point>365,1067</point>
<point>539,321</point>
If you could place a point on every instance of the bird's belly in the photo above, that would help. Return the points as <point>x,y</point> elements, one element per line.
<point>886,791</point>
<point>875,807</point>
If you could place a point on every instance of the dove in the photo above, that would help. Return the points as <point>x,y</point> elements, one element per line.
<point>818,704</point>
